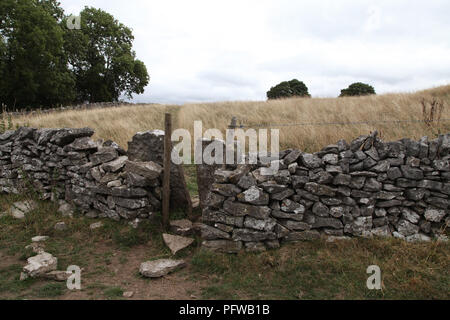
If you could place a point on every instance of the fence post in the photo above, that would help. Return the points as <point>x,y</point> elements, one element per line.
<point>166,178</point>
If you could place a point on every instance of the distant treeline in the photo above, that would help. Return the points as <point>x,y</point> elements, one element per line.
<point>49,59</point>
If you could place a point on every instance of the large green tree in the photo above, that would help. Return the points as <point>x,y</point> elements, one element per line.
<point>358,89</point>
<point>287,89</point>
<point>33,64</point>
<point>44,64</point>
<point>102,60</point>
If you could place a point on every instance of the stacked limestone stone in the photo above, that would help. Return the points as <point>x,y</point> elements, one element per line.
<point>365,188</point>
<point>96,176</point>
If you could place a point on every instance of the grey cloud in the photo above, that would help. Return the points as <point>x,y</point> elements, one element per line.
<point>195,53</point>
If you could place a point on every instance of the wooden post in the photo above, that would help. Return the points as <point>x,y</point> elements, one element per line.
<point>167,163</point>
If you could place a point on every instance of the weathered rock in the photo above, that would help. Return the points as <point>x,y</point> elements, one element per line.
<point>320,210</point>
<point>388,204</point>
<point>330,159</point>
<point>115,165</point>
<point>82,144</point>
<point>254,195</point>
<point>211,233</point>
<point>292,157</point>
<point>273,188</point>
<point>181,227</point>
<point>418,237</point>
<point>442,165</point>
<point>342,179</point>
<point>320,190</point>
<point>382,231</point>
<point>307,235</point>
<point>327,222</point>
<point>19,209</point>
<point>224,217</point>
<point>429,184</point>
<point>249,235</point>
<point>149,170</point>
<point>160,268</point>
<point>311,161</point>
<point>39,238</point>
<point>294,225</point>
<point>410,215</point>
<point>372,185</point>
<point>224,246</point>
<point>65,209</point>
<point>292,206</point>
<point>258,224</point>
<point>214,200</point>
<point>40,264</point>
<point>286,215</point>
<point>382,166</point>
<point>360,226</point>
<point>96,225</point>
<point>241,209</point>
<point>176,243</point>
<point>337,212</point>
<point>60,276</point>
<point>128,294</point>
<point>103,155</point>
<point>412,173</point>
<point>406,228</point>
<point>65,136</point>
<point>434,215</point>
<point>60,226</point>
<point>246,182</point>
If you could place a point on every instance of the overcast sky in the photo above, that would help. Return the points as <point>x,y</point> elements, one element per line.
<point>236,50</point>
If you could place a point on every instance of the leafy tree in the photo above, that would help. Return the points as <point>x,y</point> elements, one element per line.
<point>101,57</point>
<point>33,65</point>
<point>358,89</point>
<point>286,89</point>
<point>43,63</point>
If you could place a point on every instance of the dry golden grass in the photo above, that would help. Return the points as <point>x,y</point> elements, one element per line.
<point>120,124</point>
<point>325,110</point>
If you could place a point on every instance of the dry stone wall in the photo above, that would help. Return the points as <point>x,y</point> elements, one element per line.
<point>96,176</point>
<point>364,188</point>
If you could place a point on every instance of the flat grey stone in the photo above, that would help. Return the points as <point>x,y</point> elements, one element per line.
<point>160,268</point>
<point>176,243</point>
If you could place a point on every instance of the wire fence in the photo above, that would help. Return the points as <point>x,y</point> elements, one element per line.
<point>234,125</point>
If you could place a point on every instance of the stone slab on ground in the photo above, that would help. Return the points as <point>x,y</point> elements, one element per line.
<point>40,238</point>
<point>96,225</point>
<point>19,209</point>
<point>160,268</point>
<point>40,264</point>
<point>176,243</point>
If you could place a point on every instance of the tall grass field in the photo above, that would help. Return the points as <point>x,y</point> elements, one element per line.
<point>312,117</point>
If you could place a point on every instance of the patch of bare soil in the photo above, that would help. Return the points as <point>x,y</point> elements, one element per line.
<point>120,270</point>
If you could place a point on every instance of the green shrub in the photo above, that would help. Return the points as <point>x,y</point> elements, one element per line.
<point>286,89</point>
<point>358,89</point>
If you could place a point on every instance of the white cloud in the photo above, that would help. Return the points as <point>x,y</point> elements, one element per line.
<point>203,50</point>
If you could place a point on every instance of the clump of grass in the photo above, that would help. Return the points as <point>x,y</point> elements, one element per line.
<point>320,270</point>
<point>9,280</point>
<point>50,290</point>
<point>128,237</point>
<point>113,293</point>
